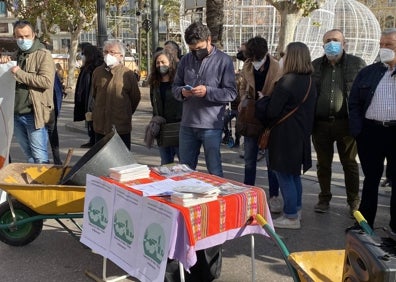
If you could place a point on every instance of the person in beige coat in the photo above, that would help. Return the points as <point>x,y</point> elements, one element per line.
<point>260,72</point>
<point>115,94</point>
<point>34,107</point>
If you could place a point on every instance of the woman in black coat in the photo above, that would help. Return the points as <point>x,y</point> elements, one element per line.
<point>91,58</point>
<point>289,143</point>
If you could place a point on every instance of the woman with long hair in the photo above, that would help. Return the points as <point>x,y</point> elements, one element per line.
<point>162,100</point>
<point>289,143</point>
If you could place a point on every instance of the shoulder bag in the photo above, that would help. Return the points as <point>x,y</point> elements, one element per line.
<point>264,138</point>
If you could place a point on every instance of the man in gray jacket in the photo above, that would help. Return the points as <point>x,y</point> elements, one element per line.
<point>34,107</point>
<point>205,82</point>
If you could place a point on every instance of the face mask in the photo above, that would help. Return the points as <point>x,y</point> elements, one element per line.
<point>240,56</point>
<point>258,64</point>
<point>163,70</point>
<point>332,48</point>
<point>110,60</point>
<point>386,55</point>
<point>83,59</point>
<point>24,44</point>
<point>200,54</point>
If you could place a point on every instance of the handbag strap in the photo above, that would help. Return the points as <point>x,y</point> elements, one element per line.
<point>296,108</point>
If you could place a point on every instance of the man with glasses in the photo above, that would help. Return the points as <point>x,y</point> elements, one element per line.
<point>205,83</point>
<point>34,107</point>
<point>372,120</point>
<point>115,94</point>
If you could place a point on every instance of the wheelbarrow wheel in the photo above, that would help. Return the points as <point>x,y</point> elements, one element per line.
<point>22,234</point>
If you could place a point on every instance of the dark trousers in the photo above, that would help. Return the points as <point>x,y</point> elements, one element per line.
<point>324,135</point>
<point>53,138</point>
<point>207,268</point>
<point>375,143</point>
<point>126,138</point>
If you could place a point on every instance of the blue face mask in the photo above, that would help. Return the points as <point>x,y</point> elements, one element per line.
<point>333,48</point>
<point>24,44</point>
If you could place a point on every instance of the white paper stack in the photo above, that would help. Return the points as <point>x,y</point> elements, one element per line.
<point>189,195</point>
<point>129,172</point>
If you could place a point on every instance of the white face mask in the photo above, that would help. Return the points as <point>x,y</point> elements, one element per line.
<point>258,64</point>
<point>83,59</point>
<point>110,60</point>
<point>386,55</point>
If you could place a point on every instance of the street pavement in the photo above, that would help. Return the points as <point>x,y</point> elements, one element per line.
<point>57,256</point>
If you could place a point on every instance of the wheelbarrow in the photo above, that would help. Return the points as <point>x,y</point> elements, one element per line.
<point>33,195</point>
<point>312,266</point>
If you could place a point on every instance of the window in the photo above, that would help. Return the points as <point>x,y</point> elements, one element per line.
<point>3,10</point>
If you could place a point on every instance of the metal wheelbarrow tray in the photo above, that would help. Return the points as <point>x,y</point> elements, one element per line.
<point>34,194</point>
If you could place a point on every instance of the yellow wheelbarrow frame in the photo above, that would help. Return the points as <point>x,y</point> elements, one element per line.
<point>310,266</point>
<point>33,194</point>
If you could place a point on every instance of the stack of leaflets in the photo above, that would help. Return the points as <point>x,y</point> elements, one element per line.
<point>129,172</point>
<point>194,195</point>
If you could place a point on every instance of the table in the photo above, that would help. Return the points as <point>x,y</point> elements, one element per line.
<point>185,229</point>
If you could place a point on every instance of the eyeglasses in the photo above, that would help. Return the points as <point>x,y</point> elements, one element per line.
<point>111,52</point>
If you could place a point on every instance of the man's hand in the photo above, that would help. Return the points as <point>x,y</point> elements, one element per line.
<point>4,59</point>
<point>14,69</point>
<point>199,91</point>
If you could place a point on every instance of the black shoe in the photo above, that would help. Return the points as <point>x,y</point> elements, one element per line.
<point>86,145</point>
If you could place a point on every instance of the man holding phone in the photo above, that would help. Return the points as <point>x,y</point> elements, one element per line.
<point>205,82</point>
<point>211,75</point>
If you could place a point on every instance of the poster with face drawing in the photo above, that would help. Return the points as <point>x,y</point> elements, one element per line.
<point>7,96</point>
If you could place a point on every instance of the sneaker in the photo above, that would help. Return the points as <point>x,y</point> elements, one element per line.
<point>386,182</point>
<point>275,205</point>
<point>321,207</point>
<point>286,223</point>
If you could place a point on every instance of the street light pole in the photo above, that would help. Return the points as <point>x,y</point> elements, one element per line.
<point>154,23</point>
<point>102,22</point>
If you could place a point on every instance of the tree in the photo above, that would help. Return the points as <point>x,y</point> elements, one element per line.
<point>291,12</point>
<point>51,16</point>
<point>215,20</point>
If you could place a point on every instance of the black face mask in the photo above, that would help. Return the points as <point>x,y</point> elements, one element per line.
<point>240,56</point>
<point>200,54</point>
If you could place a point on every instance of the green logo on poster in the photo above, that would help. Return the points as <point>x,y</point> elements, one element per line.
<point>97,212</point>
<point>123,226</point>
<point>154,242</point>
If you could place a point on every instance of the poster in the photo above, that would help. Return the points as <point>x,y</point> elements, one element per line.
<point>134,232</point>
<point>7,94</point>
<point>98,219</point>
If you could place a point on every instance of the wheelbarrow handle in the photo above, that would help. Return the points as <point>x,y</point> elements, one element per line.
<point>363,223</point>
<point>285,252</point>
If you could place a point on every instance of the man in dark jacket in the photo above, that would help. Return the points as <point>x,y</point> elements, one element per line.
<point>334,74</point>
<point>372,119</point>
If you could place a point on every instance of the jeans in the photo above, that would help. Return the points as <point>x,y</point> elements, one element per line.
<point>251,151</point>
<point>168,154</point>
<point>291,189</point>
<point>33,141</point>
<point>272,180</point>
<point>190,143</point>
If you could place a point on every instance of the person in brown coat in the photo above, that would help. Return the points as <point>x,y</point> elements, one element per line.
<point>115,94</point>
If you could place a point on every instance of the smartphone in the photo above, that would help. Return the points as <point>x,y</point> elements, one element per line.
<point>187,87</point>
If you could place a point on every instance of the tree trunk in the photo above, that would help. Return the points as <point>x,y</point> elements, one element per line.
<point>288,26</point>
<point>72,60</point>
<point>215,20</point>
